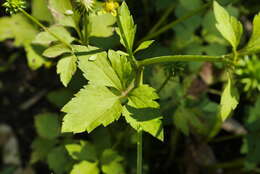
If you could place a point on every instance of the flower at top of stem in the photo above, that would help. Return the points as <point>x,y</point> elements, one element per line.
<point>84,5</point>
<point>13,6</point>
<point>111,6</point>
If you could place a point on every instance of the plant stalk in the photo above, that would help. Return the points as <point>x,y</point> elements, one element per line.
<point>174,23</point>
<point>139,151</point>
<point>184,58</point>
<point>45,28</point>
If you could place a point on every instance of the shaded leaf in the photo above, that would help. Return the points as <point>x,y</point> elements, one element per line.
<point>142,112</point>
<point>59,161</point>
<point>47,125</point>
<point>82,151</point>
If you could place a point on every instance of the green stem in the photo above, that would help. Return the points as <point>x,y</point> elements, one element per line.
<point>139,152</point>
<point>163,18</point>
<point>86,29</point>
<point>45,28</point>
<point>184,58</point>
<point>174,23</point>
<point>164,83</point>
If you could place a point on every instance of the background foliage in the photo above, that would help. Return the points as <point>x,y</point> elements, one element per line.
<point>31,94</point>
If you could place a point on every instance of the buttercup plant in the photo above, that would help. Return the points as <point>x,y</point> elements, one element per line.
<point>115,78</point>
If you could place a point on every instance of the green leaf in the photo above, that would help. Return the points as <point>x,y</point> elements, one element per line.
<point>47,125</point>
<point>59,8</point>
<point>46,38</point>
<point>101,25</point>
<point>40,10</point>
<point>34,56</point>
<point>67,67</point>
<point>142,112</point>
<point>126,23</point>
<point>56,50</point>
<point>97,69</point>
<point>82,151</point>
<point>41,148</point>
<point>254,42</point>
<point>185,118</point>
<point>230,28</point>
<point>5,29</point>
<point>111,162</point>
<point>60,97</point>
<point>59,160</point>
<point>122,67</point>
<point>24,32</point>
<point>144,45</point>
<point>229,100</point>
<point>91,107</point>
<point>85,167</point>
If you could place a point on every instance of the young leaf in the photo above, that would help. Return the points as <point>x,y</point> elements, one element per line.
<point>85,167</point>
<point>127,28</point>
<point>91,107</point>
<point>47,125</point>
<point>254,42</point>
<point>144,45</point>
<point>97,69</point>
<point>122,67</point>
<point>56,50</point>
<point>143,112</point>
<point>230,28</point>
<point>66,67</point>
<point>229,100</point>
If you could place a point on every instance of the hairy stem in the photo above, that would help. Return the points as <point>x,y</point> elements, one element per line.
<point>164,83</point>
<point>45,28</point>
<point>184,58</point>
<point>163,18</point>
<point>174,23</point>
